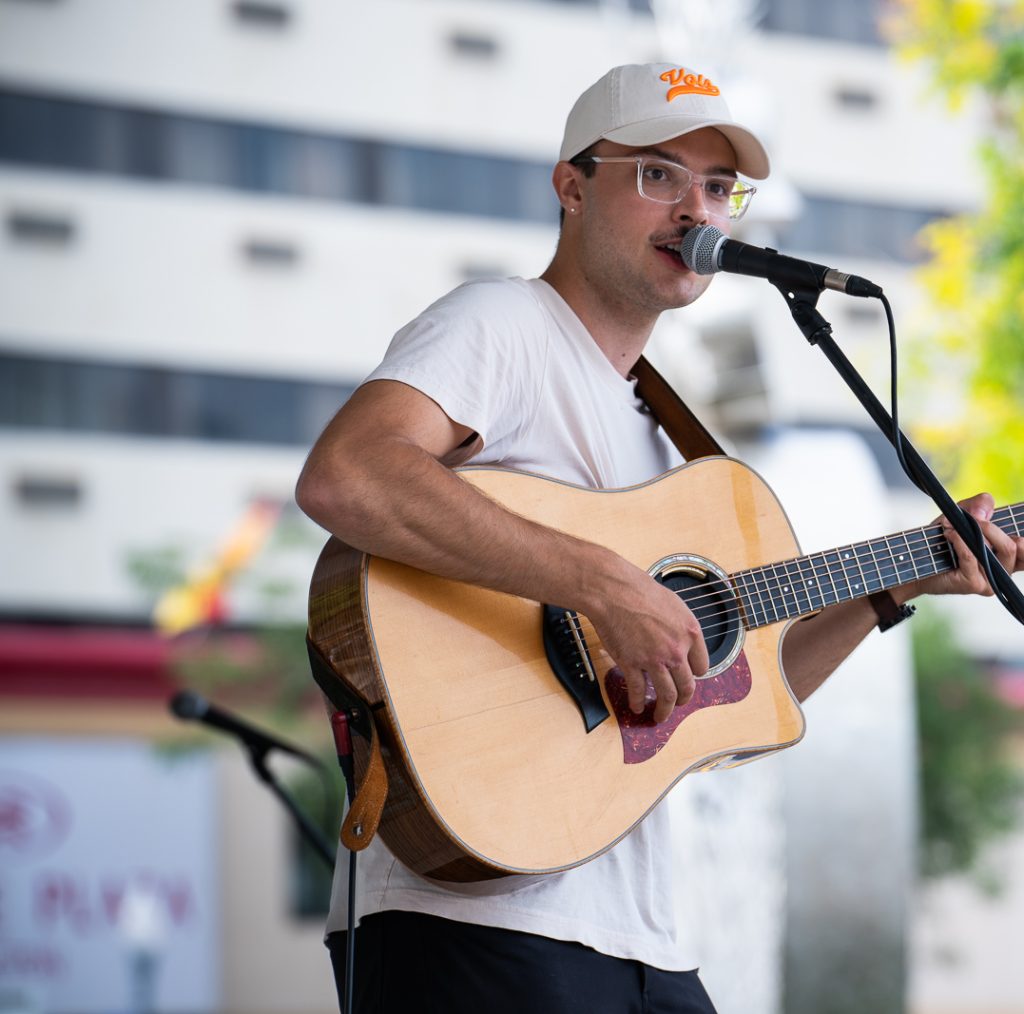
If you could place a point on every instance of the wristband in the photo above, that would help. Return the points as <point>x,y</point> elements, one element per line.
<point>889,614</point>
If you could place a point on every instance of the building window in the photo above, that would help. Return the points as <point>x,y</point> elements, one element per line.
<point>858,229</point>
<point>271,253</point>
<point>261,15</point>
<point>826,19</point>
<point>89,137</point>
<point>473,45</point>
<point>856,99</point>
<point>463,183</point>
<point>133,400</point>
<point>48,492</point>
<point>40,228</point>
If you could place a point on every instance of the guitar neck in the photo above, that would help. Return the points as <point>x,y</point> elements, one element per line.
<point>805,584</point>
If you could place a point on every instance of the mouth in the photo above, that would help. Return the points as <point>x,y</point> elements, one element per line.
<point>670,252</point>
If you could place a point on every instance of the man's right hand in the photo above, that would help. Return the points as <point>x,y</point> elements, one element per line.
<point>652,637</point>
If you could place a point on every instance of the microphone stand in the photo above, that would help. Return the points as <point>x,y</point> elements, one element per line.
<point>313,835</point>
<point>258,745</point>
<point>802,303</point>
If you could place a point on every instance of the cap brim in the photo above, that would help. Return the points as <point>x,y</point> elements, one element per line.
<point>751,158</point>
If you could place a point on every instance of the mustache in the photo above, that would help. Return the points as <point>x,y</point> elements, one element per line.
<point>676,236</point>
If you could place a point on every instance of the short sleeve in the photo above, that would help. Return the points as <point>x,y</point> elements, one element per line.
<point>478,352</point>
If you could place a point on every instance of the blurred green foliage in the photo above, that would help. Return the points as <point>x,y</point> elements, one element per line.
<point>973,51</point>
<point>971,791</point>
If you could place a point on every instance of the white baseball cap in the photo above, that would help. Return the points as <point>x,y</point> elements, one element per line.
<point>640,104</point>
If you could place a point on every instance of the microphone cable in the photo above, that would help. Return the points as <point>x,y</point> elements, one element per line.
<point>1010,597</point>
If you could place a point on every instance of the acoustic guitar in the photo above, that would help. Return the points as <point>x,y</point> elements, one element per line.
<point>508,741</point>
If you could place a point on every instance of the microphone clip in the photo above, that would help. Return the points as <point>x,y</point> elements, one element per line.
<point>803,306</point>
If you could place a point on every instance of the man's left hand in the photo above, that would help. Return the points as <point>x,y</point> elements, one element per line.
<point>969,576</point>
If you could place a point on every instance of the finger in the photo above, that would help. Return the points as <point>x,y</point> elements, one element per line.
<point>981,506</point>
<point>968,569</point>
<point>972,570</point>
<point>636,689</point>
<point>668,694</point>
<point>1002,545</point>
<point>697,656</point>
<point>686,684</point>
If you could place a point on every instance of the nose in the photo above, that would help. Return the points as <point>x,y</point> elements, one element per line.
<point>692,207</point>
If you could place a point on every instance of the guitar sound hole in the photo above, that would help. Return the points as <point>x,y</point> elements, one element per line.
<point>713,602</point>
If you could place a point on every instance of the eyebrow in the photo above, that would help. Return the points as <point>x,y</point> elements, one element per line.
<point>721,170</point>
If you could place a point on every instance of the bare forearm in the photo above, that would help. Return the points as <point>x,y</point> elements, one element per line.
<point>398,502</point>
<point>814,648</point>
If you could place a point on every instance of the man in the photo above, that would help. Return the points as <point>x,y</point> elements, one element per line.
<point>535,375</point>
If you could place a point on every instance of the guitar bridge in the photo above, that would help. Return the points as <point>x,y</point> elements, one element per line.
<point>566,648</point>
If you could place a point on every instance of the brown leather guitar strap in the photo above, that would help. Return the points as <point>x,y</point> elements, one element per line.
<point>364,811</point>
<point>684,429</point>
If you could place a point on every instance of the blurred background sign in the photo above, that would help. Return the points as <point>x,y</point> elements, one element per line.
<point>108,893</point>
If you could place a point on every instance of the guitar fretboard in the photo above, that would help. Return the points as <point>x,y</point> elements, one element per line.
<point>805,584</point>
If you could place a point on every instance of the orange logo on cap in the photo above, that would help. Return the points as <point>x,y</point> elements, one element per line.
<point>686,83</point>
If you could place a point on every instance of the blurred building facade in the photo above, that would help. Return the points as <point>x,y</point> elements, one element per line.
<point>216,214</point>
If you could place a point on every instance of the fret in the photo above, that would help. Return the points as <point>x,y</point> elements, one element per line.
<point>764,593</point>
<point>1010,519</point>
<point>810,583</point>
<point>876,559</point>
<point>894,578</point>
<point>923,540</point>
<point>855,572</point>
<point>750,606</point>
<point>882,560</point>
<point>837,573</point>
<point>906,553</point>
<point>940,555</point>
<point>791,589</point>
<point>1018,521</point>
<point>869,567</point>
<point>774,592</point>
<point>829,594</point>
<point>808,572</point>
<point>760,604</point>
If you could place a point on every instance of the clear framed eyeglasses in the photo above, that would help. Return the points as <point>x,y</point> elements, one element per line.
<point>668,183</point>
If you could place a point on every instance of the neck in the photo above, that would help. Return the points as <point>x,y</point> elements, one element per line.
<point>797,587</point>
<point>619,332</point>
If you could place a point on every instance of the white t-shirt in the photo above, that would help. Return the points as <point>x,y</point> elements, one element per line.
<point>510,360</point>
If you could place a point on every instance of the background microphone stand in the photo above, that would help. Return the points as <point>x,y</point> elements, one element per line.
<point>191,707</point>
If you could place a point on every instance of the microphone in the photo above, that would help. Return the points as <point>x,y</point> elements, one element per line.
<point>192,707</point>
<point>706,250</point>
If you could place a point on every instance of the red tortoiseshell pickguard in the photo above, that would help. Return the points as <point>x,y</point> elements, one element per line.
<point>642,737</point>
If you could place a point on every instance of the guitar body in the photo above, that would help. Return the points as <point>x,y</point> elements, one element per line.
<point>492,771</point>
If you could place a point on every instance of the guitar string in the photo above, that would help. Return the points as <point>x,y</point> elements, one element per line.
<point>821,566</point>
<point>763,577</point>
<point>776,596</point>
<point>927,539</point>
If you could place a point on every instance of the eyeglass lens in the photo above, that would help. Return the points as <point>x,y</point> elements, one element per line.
<point>668,184</point>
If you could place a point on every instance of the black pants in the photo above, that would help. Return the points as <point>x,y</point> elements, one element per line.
<point>409,963</point>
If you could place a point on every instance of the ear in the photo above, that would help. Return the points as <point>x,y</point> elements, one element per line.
<point>566,179</point>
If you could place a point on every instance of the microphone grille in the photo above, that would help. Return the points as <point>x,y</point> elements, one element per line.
<point>698,249</point>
